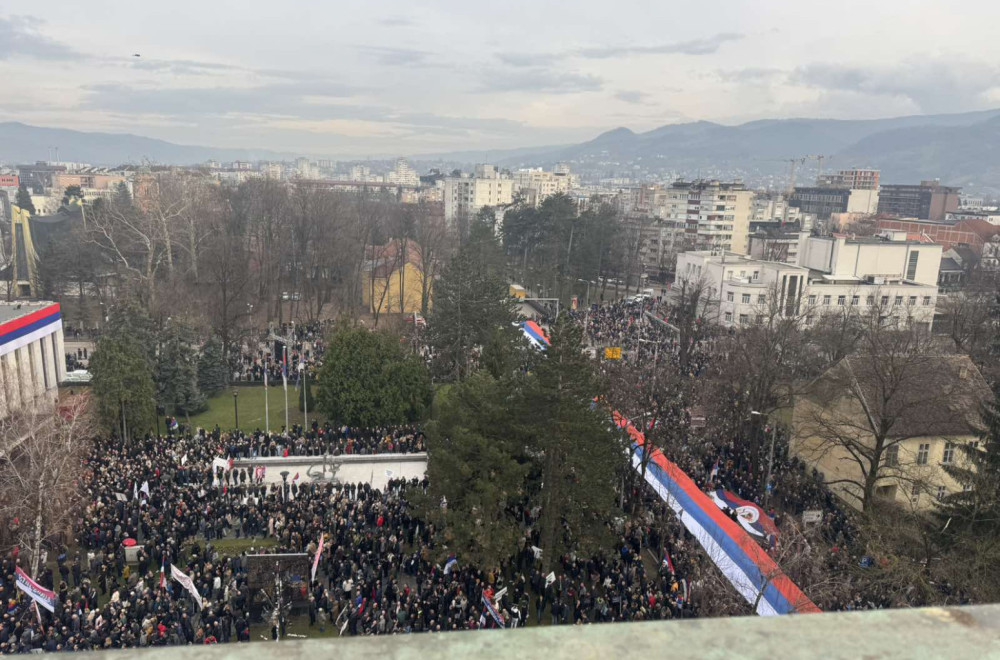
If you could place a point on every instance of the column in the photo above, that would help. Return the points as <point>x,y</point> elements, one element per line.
<point>8,363</point>
<point>51,360</point>
<point>25,377</point>
<point>4,388</point>
<point>60,354</point>
<point>37,366</point>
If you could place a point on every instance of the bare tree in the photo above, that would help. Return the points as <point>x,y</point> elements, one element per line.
<point>41,467</point>
<point>431,241</point>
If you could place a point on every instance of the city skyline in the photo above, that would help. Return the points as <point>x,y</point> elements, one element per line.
<point>400,79</point>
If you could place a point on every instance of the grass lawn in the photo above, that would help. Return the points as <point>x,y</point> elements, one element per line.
<point>251,406</point>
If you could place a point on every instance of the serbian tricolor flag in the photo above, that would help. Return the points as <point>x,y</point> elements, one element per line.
<point>666,561</point>
<point>488,604</point>
<point>750,516</point>
<point>163,572</point>
<point>715,471</point>
<point>535,334</point>
<point>450,564</point>
<point>284,368</point>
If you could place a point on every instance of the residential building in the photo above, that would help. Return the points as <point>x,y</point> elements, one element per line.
<point>535,184</point>
<point>91,180</point>
<point>991,216</point>
<point>927,201</point>
<point>465,196</point>
<point>974,233</point>
<point>403,174</point>
<point>32,355</point>
<point>852,179</point>
<point>715,214</point>
<point>360,173</point>
<point>830,274</point>
<point>931,406</point>
<point>272,170</point>
<point>777,244</point>
<point>822,202</point>
<point>661,242</point>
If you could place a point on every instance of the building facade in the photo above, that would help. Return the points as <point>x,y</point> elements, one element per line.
<point>927,201</point>
<point>852,179</point>
<point>716,215</point>
<point>32,355</point>
<point>465,196</point>
<point>535,184</point>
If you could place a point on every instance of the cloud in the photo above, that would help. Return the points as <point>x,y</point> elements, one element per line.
<point>705,46</point>
<point>631,96</point>
<point>529,59</point>
<point>19,37</point>
<point>396,21</point>
<point>397,56</point>
<point>540,80</point>
<point>751,75</point>
<point>181,67</point>
<point>932,85</point>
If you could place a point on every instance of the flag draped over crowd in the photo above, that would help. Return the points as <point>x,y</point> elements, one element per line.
<point>742,560</point>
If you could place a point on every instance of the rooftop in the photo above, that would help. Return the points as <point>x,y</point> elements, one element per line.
<point>15,310</point>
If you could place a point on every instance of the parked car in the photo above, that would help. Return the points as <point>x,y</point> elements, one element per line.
<point>78,377</point>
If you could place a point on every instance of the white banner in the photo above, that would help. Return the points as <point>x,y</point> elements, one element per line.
<point>319,551</point>
<point>36,592</point>
<point>186,582</point>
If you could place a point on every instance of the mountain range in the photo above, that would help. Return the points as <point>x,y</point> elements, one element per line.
<point>959,149</point>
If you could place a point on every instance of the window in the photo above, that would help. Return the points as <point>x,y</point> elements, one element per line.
<point>761,299</point>
<point>744,319</point>
<point>871,300</point>
<point>974,445</point>
<point>729,317</point>
<point>826,300</point>
<point>927,300</point>
<point>949,453</point>
<point>855,300</point>
<point>885,300</point>
<point>915,493</point>
<point>892,455</point>
<point>913,301</point>
<point>756,274</point>
<point>812,300</point>
<point>923,452</point>
<point>940,493</point>
<point>841,300</point>
<point>746,299</point>
<point>729,296</point>
<point>911,266</point>
<point>899,300</point>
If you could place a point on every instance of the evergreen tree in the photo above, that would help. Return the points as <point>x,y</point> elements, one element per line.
<point>976,509</point>
<point>576,453</point>
<point>23,200</point>
<point>476,479</point>
<point>471,303</point>
<point>176,372</point>
<point>122,385</point>
<point>367,380</point>
<point>213,375</point>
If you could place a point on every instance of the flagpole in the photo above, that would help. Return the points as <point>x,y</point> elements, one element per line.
<point>285,381</point>
<point>267,416</point>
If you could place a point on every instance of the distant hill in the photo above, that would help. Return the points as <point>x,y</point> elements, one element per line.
<point>21,143</point>
<point>957,148</point>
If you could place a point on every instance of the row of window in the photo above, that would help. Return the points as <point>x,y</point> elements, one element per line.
<point>923,453</point>
<point>856,300</point>
<point>745,298</point>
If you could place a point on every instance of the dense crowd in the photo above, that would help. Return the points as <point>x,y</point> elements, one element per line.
<point>321,440</point>
<point>261,356</point>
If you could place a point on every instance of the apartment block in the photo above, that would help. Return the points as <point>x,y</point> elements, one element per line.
<point>716,215</point>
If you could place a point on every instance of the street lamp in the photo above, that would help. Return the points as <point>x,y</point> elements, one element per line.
<point>236,408</point>
<point>770,459</point>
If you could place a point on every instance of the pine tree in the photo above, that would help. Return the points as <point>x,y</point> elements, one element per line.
<point>213,375</point>
<point>577,454</point>
<point>976,509</point>
<point>23,200</point>
<point>176,373</point>
<point>122,385</point>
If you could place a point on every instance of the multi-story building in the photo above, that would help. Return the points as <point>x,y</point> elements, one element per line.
<point>9,181</point>
<point>466,195</point>
<point>822,202</point>
<point>403,174</point>
<point>927,201</point>
<point>273,170</point>
<point>86,180</point>
<point>535,184</point>
<point>32,355</point>
<point>831,273</point>
<point>852,179</point>
<point>715,214</point>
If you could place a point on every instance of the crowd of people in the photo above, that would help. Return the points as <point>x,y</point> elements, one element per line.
<point>262,357</point>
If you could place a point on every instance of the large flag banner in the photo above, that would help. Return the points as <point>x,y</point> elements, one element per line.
<point>450,564</point>
<point>535,334</point>
<point>493,611</point>
<point>319,551</point>
<point>186,582</point>
<point>284,367</point>
<point>38,593</point>
<point>745,564</point>
<point>751,517</point>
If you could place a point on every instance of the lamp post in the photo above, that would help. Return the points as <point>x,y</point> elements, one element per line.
<point>305,398</point>
<point>236,407</point>
<point>770,458</point>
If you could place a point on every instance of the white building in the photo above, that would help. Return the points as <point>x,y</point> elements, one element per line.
<point>831,273</point>
<point>403,174</point>
<point>535,184</point>
<point>465,195</point>
<point>717,215</point>
<point>32,355</point>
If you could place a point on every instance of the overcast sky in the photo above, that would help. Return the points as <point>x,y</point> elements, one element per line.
<point>385,78</point>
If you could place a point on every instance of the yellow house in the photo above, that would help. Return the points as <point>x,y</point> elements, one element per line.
<point>884,429</point>
<point>397,279</point>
